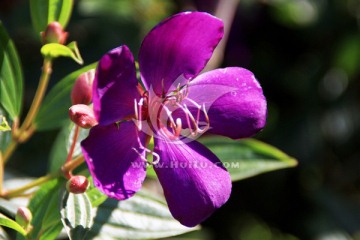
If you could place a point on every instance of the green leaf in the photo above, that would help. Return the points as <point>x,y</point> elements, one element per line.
<point>7,222</point>
<point>5,137</point>
<point>52,232</point>
<point>44,12</point>
<point>95,196</point>
<point>74,48</point>
<point>54,111</point>
<point>58,153</point>
<point>141,216</point>
<point>63,143</point>
<point>11,78</point>
<point>248,157</point>
<point>76,215</point>
<point>55,50</point>
<point>4,125</point>
<point>45,206</point>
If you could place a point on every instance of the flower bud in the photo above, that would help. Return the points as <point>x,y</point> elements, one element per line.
<point>23,217</point>
<point>82,115</point>
<point>82,90</point>
<point>77,184</point>
<point>54,33</point>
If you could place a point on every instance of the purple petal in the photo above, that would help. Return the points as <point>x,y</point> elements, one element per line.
<point>178,49</point>
<point>115,86</point>
<point>116,168</point>
<point>194,181</point>
<point>234,101</point>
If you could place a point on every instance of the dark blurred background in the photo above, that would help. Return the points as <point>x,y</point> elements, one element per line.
<point>306,55</point>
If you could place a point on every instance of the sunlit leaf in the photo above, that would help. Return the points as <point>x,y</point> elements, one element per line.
<point>76,215</point>
<point>45,207</point>
<point>55,50</point>
<point>54,111</point>
<point>11,78</point>
<point>44,12</point>
<point>4,125</point>
<point>7,222</point>
<point>5,137</point>
<point>248,157</point>
<point>95,196</point>
<point>58,153</point>
<point>142,216</point>
<point>74,48</point>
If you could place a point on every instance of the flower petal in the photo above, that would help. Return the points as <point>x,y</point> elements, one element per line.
<point>234,101</point>
<point>116,168</point>
<point>178,49</point>
<point>194,181</point>
<point>115,86</point>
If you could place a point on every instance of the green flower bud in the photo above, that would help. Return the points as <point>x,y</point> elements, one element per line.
<point>54,33</point>
<point>23,218</point>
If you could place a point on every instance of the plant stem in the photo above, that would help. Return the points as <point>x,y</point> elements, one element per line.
<point>24,133</point>
<point>9,150</point>
<point>37,182</point>
<point>73,144</point>
<point>39,95</point>
<point>1,172</point>
<point>68,174</point>
<point>67,167</point>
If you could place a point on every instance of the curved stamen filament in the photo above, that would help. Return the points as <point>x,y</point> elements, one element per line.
<point>178,127</point>
<point>156,157</point>
<point>138,112</point>
<point>141,102</point>
<point>175,126</point>
<point>168,113</point>
<point>196,105</point>
<point>195,122</point>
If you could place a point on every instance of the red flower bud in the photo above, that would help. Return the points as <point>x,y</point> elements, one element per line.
<point>54,33</point>
<point>82,89</point>
<point>23,217</point>
<point>77,184</point>
<point>82,115</point>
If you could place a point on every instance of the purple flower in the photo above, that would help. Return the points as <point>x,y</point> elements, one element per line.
<point>175,107</point>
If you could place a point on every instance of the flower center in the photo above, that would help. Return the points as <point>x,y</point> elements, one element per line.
<point>156,116</point>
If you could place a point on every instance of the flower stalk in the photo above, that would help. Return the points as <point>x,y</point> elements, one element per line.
<point>26,130</point>
<point>18,191</point>
<point>67,167</point>
<point>67,171</point>
<point>1,172</point>
<point>39,95</point>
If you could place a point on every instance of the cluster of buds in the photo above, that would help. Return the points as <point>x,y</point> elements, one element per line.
<point>83,116</point>
<point>54,33</point>
<point>81,95</point>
